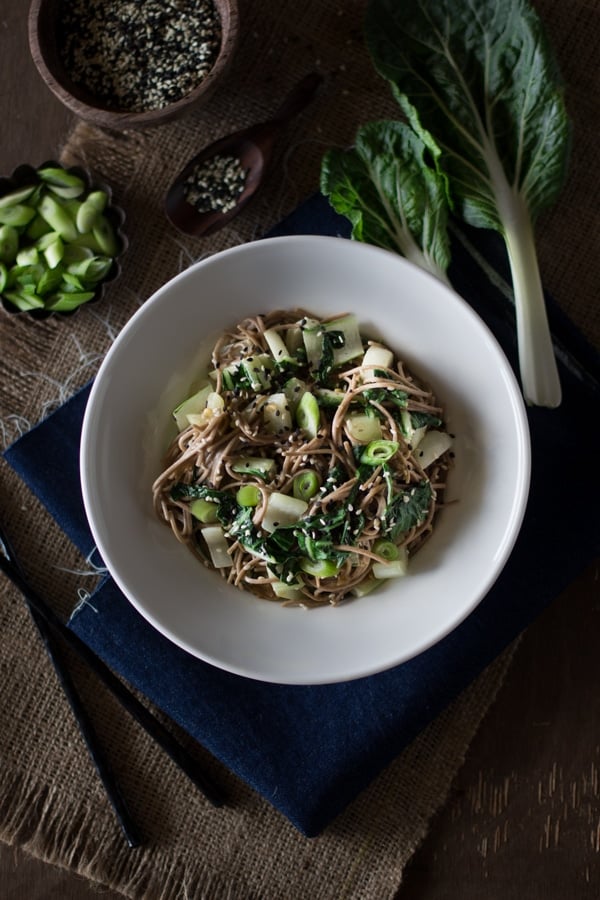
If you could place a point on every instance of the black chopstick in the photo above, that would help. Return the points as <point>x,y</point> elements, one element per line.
<point>88,732</point>
<point>142,715</point>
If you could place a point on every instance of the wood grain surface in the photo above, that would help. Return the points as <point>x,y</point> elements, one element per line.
<point>523,820</point>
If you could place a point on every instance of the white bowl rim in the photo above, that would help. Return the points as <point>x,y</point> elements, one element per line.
<point>520,487</point>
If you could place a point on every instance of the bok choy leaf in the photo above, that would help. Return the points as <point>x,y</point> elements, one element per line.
<point>480,77</point>
<point>389,185</point>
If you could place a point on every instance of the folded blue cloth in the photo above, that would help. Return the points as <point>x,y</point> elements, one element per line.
<point>310,750</point>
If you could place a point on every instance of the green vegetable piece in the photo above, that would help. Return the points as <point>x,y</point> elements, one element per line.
<point>308,416</point>
<point>24,300</point>
<point>204,510</point>
<point>54,252</point>
<point>3,276</point>
<point>17,196</point>
<point>65,302</point>
<point>293,390</point>
<point>365,587</point>
<point>386,549</point>
<point>391,188</point>
<point>88,242</point>
<point>75,254</point>
<point>248,495</point>
<point>192,405</point>
<point>98,199</point>
<point>92,269</point>
<point>395,568</point>
<point>49,281</point>
<point>37,228</point>
<point>258,370</point>
<point>87,216</point>
<point>362,428</point>
<point>105,237</point>
<point>46,239</point>
<point>262,467</point>
<point>322,568</point>
<point>306,484</point>
<point>489,91</point>
<point>25,276</point>
<point>285,591</point>
<point>28,256</point>
<point>66,193</point>
<point>9,243</point>
<point>17,215</point>
<point>64,184</point>
<point>328,398</point>
<point>71,283</point>
<point>408,508</point>
<point>378,452</point>
<point>276,413</point>
<point>58,218</point>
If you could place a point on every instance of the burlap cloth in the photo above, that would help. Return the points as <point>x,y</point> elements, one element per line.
<point>51,802</point>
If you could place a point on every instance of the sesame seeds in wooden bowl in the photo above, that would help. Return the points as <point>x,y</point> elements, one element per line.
<point>93,57</point>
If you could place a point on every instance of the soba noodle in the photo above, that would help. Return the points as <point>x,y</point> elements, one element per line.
<point>307,511</point>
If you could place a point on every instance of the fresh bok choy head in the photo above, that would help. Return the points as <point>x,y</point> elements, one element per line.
<point>481,78</point>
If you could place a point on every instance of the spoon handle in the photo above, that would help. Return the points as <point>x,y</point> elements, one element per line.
<point>298,98</point>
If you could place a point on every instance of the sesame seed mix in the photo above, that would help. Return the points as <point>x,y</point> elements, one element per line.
<point>215,185</point>
<point>137,55</point>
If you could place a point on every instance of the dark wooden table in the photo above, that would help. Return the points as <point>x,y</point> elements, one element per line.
<point>523,820</point>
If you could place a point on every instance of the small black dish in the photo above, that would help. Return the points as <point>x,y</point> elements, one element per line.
<point>27,175</point>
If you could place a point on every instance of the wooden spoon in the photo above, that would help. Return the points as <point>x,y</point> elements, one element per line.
<point>253,147</point>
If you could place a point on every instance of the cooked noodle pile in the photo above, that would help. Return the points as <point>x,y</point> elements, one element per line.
<point>360,514</point>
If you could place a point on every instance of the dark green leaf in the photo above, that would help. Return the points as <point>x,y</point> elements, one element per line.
<point>488,90</point>
<point>390,187</point>
<point>407,509</point>
<point>420,419</point>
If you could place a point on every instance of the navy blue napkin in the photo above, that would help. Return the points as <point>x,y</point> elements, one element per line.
<point>310,750</point>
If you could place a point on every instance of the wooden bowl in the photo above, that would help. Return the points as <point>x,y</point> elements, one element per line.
<point>44,26</point>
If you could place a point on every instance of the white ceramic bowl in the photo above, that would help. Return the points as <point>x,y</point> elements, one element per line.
<point>149,369</point>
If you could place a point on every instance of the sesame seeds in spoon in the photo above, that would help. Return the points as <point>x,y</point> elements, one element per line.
<point>220,180</point>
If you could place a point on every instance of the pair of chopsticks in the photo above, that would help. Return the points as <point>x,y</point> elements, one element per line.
<point>50,627</point>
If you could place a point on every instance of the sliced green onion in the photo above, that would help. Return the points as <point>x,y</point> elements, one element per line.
<point>16,215</point>
<point>322,568</point>
<point>17,196</point>
<point>103,233</point>
<point>64,184</point>
<point>308,415</point>
<point>49,281</point>
<point>3,276</point>
<point>248,495</point>
<point>87,216</point>
<point>24,300</point>
<point>386,549</point>
<point>306,484</point>
<point>99,199</point>
<point>9,243</point>
<point>28,256</point>
<point>64,301</point>
<point>204,510</point>
<point>58,217</point>
<point>54,253</point>
<point>378,452</point>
